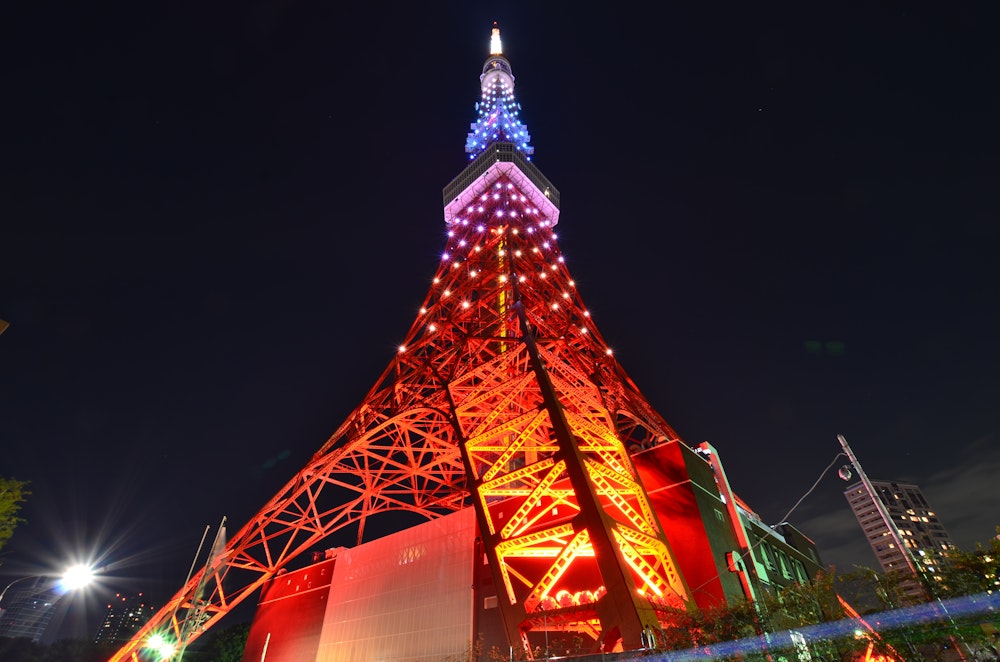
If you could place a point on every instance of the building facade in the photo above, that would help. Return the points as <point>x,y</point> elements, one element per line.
<point>919,528</point>
<point>28,609</point>
<point>125,615</point>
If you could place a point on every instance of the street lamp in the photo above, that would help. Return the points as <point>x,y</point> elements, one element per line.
<point>73,578</point>
<point>915,567</point>
<point>77,576</point>
<point>897,537</point>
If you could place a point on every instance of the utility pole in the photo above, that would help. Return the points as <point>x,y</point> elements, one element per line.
<point>897,537</point>
<point>915,568</point>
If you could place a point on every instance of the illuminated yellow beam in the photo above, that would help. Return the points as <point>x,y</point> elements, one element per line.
<point>557,569</point>
<point>517,520</point>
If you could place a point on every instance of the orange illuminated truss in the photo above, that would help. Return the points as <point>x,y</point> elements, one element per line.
<point>503,396</point>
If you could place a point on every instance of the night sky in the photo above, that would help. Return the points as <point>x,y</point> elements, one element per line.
<point>217,222</point>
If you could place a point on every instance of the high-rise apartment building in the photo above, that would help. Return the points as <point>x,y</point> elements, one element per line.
<point>920,530</point>
<point>125,615</point>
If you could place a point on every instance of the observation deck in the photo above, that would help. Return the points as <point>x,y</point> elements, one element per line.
<point>499,158</point>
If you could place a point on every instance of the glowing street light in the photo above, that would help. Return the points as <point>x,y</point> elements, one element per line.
<point>77,576</point>
<point>163,647</point>
<point>73,578</point>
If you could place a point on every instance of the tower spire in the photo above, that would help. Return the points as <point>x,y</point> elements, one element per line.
<point>495,46</point>
<point>497,119</point>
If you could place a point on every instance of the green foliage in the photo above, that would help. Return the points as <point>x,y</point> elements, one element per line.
<point>226,645</point>
<point>78,650</point>
<point>966,572</point>
<point>13,493</point>
<point>497,654</point>
<point>872,594</point>
<point>972,575</point>
<point>473,651</point>
<point>21,649</point>
<point>957,574</point>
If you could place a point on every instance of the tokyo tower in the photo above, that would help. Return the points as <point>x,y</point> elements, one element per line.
<point>502,397</point>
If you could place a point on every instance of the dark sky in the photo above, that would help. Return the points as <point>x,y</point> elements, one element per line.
<point>217,221</point>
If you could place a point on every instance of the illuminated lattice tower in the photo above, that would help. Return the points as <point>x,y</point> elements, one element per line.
<point>504,397</point>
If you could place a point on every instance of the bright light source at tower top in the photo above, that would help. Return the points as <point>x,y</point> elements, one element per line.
<point>495,48</point>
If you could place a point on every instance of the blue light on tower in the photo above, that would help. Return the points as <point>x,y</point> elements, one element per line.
<point>497,113</point>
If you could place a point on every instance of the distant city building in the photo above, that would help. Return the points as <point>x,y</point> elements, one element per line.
<point>125,616</point>
<point>920,529</point>
<point>27,610</point>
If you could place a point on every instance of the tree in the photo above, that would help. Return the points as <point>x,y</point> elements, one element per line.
<point>226,645</point>
<point>13,493</point>
<point>968,581</point>
<point>956,609</point>
<point>20,649</point>
<point>965,573</point>
<point>78,650</point>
